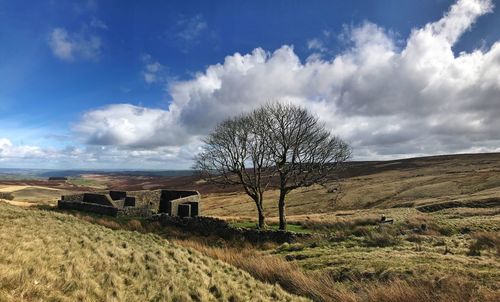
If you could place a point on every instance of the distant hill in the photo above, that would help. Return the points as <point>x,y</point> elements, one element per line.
<point>380,184</point>
<point>14,174</point>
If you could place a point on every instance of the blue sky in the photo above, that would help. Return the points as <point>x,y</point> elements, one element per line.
<point>128,84</point>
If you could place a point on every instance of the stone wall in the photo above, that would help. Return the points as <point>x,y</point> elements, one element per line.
<point>170,200</point>
<point>213,226</point>
<point>146,198</point>
<point>144,211</point>
<point>87,207</point>
<point>102,199</point>
<point>73,197</point>
<point>116,195</point>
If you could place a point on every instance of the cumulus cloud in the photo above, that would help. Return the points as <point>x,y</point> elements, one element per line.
<point>69,46</point>
<point>386,99</point>
<point>131,126</point>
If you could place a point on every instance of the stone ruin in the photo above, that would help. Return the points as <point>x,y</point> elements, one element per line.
<point>135,203</point>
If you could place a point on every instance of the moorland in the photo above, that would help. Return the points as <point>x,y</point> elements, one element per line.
<point>443,244</point>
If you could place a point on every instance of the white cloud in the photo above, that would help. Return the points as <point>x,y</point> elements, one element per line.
<point>98,157</point>
<point>61,46</point>
<point>131,126</point>
<point>191,28</point>
<point>387,100</point>
<point>68,46</point>
<point>9,151</point>
<point>316,45</point>
<point>153,71</point>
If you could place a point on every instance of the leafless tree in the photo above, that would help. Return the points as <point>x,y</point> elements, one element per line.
<point>301,150</point>
<point>279,142</point>
<point>235,153</point>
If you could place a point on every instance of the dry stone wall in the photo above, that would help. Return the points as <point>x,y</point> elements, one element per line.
<point>87,207</point>
<point>207,226</point>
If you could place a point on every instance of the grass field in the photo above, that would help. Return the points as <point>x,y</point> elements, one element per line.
<point>33,194</point>
<point>47,256</point>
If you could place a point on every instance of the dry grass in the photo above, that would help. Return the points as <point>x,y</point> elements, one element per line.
<point>485,241</point>
<point>451,289</point>
<point>47,256</point>
<point>271,269</point>
<point>322,287</point>
<point>413,182</point>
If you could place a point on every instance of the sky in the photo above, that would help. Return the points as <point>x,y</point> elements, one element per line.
<point>138,84</point>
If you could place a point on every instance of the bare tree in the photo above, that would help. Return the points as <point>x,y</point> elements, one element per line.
<point>235,153</point>
<point>302,151</point>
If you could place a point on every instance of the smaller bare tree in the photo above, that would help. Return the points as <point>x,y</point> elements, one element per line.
<point>302,151</point>
<point>235,154</point>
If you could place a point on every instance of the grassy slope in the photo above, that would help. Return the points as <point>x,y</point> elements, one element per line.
<point>381,185</point>
<point>51,256</point>
<point>374,255</point>
<point>357,249</point>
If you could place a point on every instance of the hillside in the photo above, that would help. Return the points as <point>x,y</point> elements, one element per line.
<point>377,184</point>
<point>57,257</point>
<point>383,184</point>
<point>446,251</point>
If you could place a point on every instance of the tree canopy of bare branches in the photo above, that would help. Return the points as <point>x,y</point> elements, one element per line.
<point>235,154</point>
<point>280,141</point>
<point>301,150</point>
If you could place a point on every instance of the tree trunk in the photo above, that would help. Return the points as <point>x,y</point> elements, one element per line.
<point>262,218</point>
<point>260,211</point>
<point>281,206</point>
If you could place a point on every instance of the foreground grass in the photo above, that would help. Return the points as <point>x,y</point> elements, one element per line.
<point>416,247</point>
<point>356,259</point>
<point>47,256</point>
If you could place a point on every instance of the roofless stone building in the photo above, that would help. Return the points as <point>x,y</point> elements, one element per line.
<point>183,203</point>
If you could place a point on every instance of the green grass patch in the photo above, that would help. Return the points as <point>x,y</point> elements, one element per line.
<point>290,227</point>
<point>83,182</point>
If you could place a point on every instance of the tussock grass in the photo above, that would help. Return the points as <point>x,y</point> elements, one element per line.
<point>485,241</point>
<point>271,269</point>
<point>450,289</point>
<point>381,237</point>
<point>323,287</point>
<point>48,256</point>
